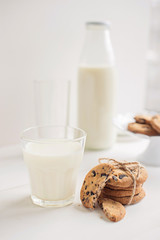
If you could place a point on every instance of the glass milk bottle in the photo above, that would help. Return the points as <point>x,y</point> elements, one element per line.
<point>97,87</point>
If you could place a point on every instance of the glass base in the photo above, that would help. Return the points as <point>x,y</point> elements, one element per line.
<point>44,203</point>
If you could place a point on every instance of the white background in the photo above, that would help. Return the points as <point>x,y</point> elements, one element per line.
<point>41,39</point>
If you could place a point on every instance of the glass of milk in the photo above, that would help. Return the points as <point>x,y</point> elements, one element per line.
<point>53,155</point>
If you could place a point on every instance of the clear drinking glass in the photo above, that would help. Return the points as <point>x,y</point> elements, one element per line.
<point>52,102</point>
<point>53,155</point>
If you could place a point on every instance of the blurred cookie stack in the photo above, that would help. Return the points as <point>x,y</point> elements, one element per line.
<point>146,124</point>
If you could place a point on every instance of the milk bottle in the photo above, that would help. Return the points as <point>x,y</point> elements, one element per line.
<point>97,87</point>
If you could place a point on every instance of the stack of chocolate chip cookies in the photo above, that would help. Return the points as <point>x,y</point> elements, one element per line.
<point>111,186</point>
<point>119,186</point>
<point>145,124</point>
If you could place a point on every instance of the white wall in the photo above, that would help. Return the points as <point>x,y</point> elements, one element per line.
<point>42,39</point>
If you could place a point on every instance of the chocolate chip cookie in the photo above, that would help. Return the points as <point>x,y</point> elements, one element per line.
<point>120,193</point>
<point>155,123</point>
<point>113,210</point>
<point>143,119</point>
<point>120,178</point>
<point>93,183</point>
<point>145,129</point>
<point>125,200</point>
<point>138,187</point>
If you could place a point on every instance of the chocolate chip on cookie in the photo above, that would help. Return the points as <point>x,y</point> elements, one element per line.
<point>113,210</point>
<point>142,129</point>
<point>93,183</point>
<point>155,123</point>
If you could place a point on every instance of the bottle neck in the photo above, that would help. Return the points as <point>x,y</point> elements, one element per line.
<point>97,48</point>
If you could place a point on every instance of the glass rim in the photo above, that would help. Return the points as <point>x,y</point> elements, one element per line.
<point>26,139</point>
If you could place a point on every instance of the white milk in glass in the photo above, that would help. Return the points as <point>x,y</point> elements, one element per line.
<point>53,168</point>
<point>96,105</point>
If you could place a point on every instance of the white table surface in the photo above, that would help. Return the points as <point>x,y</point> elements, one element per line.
<point>21,220</point>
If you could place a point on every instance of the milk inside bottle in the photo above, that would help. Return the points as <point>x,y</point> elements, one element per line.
<point>97,88</point>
